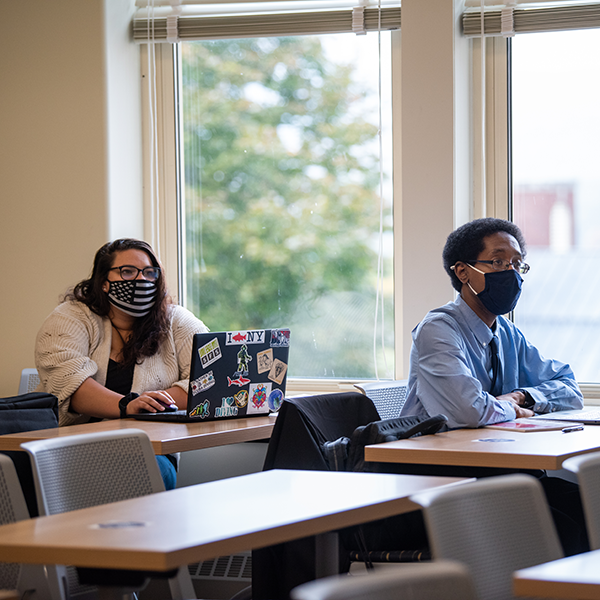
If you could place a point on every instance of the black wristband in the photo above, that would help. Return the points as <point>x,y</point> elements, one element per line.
<point>124,401</point>
<point>529,401</point>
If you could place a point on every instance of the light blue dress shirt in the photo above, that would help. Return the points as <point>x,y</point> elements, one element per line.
<point>450,370</point>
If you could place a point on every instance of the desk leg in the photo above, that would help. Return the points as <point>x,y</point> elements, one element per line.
<point>326,554</point>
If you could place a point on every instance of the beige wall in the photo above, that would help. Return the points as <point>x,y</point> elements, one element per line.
<point>65,101</point>
<point>435,139</point>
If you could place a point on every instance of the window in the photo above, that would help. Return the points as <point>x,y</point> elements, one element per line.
<point>281,194</point>
<point>431,172</point>
<point>556,153</point>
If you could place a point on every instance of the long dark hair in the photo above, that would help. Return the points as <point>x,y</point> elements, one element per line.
<point>149,331</point>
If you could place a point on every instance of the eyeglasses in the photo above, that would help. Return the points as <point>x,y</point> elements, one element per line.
<point>499,264</point>
<point>129,272</point>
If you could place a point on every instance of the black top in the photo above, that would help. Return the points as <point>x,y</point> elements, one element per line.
<point>119,379</point>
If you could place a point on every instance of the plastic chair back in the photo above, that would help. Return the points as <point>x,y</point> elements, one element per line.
<point>87,470</point>
<point>494,526</point>
<point>420,581</point>
<point>29,381</point>
<point>587,469</point>
<point>387,396</point>
<point>12,509</point>
<point>21,578</point>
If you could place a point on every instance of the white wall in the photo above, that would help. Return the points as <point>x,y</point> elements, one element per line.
<point>66,102</point>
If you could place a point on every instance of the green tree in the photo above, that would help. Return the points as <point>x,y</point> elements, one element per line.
<point>281,178</point>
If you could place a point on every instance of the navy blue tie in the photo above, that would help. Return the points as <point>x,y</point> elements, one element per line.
<point>496,387</point>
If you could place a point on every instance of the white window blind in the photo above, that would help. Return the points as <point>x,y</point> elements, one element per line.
<point>532,19</point>
<point>258,19</point>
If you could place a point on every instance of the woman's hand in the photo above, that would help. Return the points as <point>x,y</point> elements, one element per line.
<point>95,400</point>
<point>151,402</point>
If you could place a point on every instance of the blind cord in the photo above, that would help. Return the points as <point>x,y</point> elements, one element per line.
<point>483,111</point>
<point>379,297</point>
<point>152,108</point>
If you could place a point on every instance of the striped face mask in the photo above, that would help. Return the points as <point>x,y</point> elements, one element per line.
<point>135,298</point>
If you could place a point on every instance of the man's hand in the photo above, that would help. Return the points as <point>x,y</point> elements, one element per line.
<point>523,412</point>
<point>516,398</point>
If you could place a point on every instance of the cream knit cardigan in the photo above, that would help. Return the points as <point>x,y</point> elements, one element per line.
<point>74,344</point>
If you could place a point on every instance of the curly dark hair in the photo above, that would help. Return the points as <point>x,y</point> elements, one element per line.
<point>466,243</point>
<point>149,331</point>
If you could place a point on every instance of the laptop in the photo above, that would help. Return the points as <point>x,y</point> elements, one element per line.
<point>233,374</point>
<point>588,416</point>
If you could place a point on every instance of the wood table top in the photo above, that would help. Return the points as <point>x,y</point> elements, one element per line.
<point>191,524</point>
<point>576,577</point>
<point>166,437</point>
<point>489,448</point>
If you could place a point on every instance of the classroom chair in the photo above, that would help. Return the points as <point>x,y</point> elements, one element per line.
<point>419,581</point>
<point>587,469</point>
<point>16,579</point>
<point>494,526</point>
<point>304,426</point>
<point>29,381</point>
<point>388,396</point>
<point>86,470</point>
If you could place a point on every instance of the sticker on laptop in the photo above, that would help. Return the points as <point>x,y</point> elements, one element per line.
<point>201,411</point>
<point>203,383</point>
<point>264,360</point>
<point>243,360</point>
<point>227,408</point>
<point>233,338</point>
<point>278,371</point>
<point>239,381</point>
<point>280,338</point>
<point>241,398</point>
<point>257,398</point>
<point>209,353</point>
<point>275,400</point>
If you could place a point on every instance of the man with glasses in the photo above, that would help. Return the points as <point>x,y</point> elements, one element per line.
<point>473,365</point>
<point>468,361</point>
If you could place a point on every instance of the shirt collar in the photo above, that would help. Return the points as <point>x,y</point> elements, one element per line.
<point>480,330</point>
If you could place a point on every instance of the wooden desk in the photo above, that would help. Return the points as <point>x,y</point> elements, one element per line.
<point>166,438</point>
<point>187,525</point>
<point>576,577</point>
<point>507,449</point>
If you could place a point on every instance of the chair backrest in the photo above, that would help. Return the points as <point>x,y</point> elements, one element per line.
<point>29,381</point>
<point>418,581</point>
<point>305,423</point>
<point>78,471</point>
<point>494,526</point>
<point>12,509</point>
<point>388,396</point>
<point>587,468</point>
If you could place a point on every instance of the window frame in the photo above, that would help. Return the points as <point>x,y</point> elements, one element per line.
<point>171,232</point>
<point>431,82</point>
<point>499,192</point>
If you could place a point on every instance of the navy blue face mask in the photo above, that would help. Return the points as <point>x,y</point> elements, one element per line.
<point>501,292</point>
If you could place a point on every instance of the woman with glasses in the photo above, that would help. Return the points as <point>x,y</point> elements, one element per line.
<point>117,345</point>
